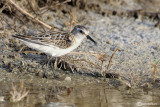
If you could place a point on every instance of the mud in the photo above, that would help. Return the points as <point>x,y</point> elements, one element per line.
<point>127,25</point>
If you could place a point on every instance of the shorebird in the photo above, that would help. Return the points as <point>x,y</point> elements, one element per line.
<point>56,43</point>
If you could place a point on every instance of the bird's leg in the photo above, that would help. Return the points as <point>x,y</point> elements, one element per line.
<point>54,63</point>
<point>47,66</point>
<point>49,61</point>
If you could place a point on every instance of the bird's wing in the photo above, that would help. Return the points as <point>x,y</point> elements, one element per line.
<point>59,39</point>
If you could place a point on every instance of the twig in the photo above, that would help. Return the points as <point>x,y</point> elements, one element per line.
<point>155,70</point>
<point>73,20</point>
<point>4,6</point>
<point>26,13</point>
<point>53,5</point>
<point>100,56</point>
<point>84,53</point>
<point>110,60</point>
<point>31,52</point>
<point>18,95</point>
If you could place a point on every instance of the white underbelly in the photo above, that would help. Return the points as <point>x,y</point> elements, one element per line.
<point>50,50</point>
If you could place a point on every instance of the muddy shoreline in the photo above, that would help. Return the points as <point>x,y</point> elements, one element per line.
<point>113,24</point>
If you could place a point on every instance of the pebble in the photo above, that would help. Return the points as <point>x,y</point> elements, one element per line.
<point>68,79</point>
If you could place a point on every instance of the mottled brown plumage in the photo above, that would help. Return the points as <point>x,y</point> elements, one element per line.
<point>60,39</point>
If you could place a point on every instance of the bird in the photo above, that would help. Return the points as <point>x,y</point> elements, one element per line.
<point>56,43</point>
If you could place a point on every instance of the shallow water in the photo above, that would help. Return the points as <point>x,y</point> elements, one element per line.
<point>84,96</point>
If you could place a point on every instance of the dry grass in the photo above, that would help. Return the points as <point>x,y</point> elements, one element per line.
<point>155,65</point>
<point>28,13</point>
<point>18,94</point>
<point>4,6</point>
<point>73,20</point>
<point>110,60</point>
<point>35,18</point>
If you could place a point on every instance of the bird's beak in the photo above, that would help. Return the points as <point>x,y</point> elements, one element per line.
<point>88,37</point>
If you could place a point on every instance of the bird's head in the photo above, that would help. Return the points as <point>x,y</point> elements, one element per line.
<point>82,32</point>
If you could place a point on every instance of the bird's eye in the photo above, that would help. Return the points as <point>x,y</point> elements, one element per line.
<point>81,31</point>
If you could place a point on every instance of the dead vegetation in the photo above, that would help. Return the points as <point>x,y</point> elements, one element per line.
<point>18,94</point>
<point>72,22</point>
<point>155,65</point>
